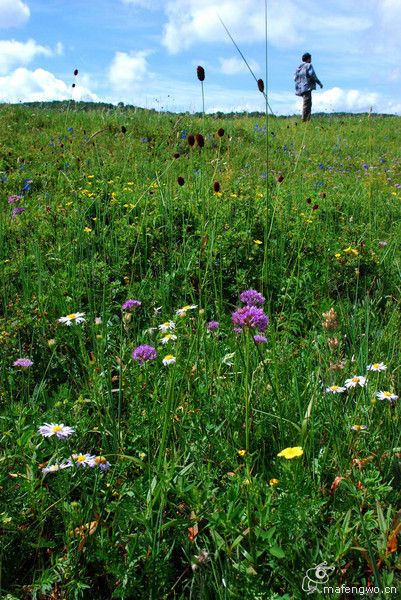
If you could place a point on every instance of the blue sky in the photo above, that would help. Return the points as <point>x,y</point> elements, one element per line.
<point>145,52</point>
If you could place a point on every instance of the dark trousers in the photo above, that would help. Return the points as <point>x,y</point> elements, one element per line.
<point>306,106</point>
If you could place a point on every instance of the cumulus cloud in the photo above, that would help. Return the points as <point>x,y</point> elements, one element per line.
<point>234,66</point>
<point>23,85</point>
<point>14,53</point>
<point>128,71</point>
<point>13,13</point>
<point>289,22</point>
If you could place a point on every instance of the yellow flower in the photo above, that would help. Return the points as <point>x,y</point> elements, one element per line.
<point>87,229</point>
<point>242,452</point>
<point>337,255</point>
<point>290,453</point>
<point>258,242</point>
<point>273,482</point>
<point>352,251</point>
<point>68,203</point>
<point>90,176</point>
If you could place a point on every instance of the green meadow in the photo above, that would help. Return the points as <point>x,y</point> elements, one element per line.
<point>148,450</point>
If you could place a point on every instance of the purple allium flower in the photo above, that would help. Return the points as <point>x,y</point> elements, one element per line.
<point>131,304</point>
<point>144,353</point>
<point>237,330</point>
<point>17,211</point>
<point>250,316</point>
<point>212,325</point>
<point>260,339</point>
<point>252,298</point>
<point>24,363</point>
<point>13,198</point>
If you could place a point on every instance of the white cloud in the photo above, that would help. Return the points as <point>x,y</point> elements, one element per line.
<point>14,53</point>
<point>289,22</point>
<point>234,66</point>
<point>23,85</point>
<point>59,49</point>
<point>128,72</point>
<point>13,13</point>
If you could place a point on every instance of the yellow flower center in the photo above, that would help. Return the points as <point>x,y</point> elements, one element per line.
<point>81,458</point>
<point>355,379</point>
<point>169,357</point>
<point>334,387</point>
<point>57,428</point>
<point>376,366</point>
<point>72,316</point>
<point>387,394</point>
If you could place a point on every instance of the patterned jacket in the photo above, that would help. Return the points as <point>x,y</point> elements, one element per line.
<point>305,79</point>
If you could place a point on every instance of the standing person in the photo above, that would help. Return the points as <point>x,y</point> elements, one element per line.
<point>305,81</point>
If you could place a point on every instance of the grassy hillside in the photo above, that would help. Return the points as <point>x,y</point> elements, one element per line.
<point>170,485</point>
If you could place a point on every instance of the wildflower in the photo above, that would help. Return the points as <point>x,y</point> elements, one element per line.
<point>330,320</point>
<point>273,482</point>
<point>200,72</point>
<point>169,337</point>
<point>252,298</point>
<point>237,330</point>
<point>359,427</point>
<point>387,396</point>
<point>101,462</point>
<point>98,320</point>
<point>290,453</point>
<point>376,367</point>
<point>72,318</point>
<point>212,325</point>
<point>354,381</point>
<point>250,316</point>
<point>257,242</point>
<point>352,251</point>
<point>335,389</point>
<point>80,460</point>
<point>315,207</point>
<point>60,431</point>
<point>337,255</point>
<point>241,452</point>
<point>333,343</point>
<point>144,353</point>
<point>12,199</point>
<point>54,468</point>
<point>261,85</point>
<point>383,244</point>
<point>167,326</point>
<point>260,339</point>
<point>131,304</point>
<point>87,229</point>
<point>24,363</point>
<point>181,312</point>
<point>169,359</point>
<point>200,560</point>
<point>17,211</point>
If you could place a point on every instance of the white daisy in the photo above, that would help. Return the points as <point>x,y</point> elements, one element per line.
<point>167,326</point>
<point>387,396</point>
<point>169,359</point>
<point>169,337</point>
<point>54,468</point>
<point>335,389</point>
<point>354,381</point>
<point>72,318</point>
<point>181,312</point>
<point>60,431</point>
<point>377,367</point>
<point>80,460</point>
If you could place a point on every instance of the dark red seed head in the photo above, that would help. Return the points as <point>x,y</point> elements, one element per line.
<point>200,71</point>
<point>261,85</point>
<point>280,178</point>
<point>123,129</point>
<point>315,207</point>
<point>216,186</point>
<point>191,139</point>
<point>75,72</point>
<point>309,200</point>
<point>220,132</point>
<point>200,140</point>
<point>180,180</point>
<point>176,155</point>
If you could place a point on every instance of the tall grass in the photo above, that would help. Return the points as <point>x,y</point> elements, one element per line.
<point>197,503</point>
